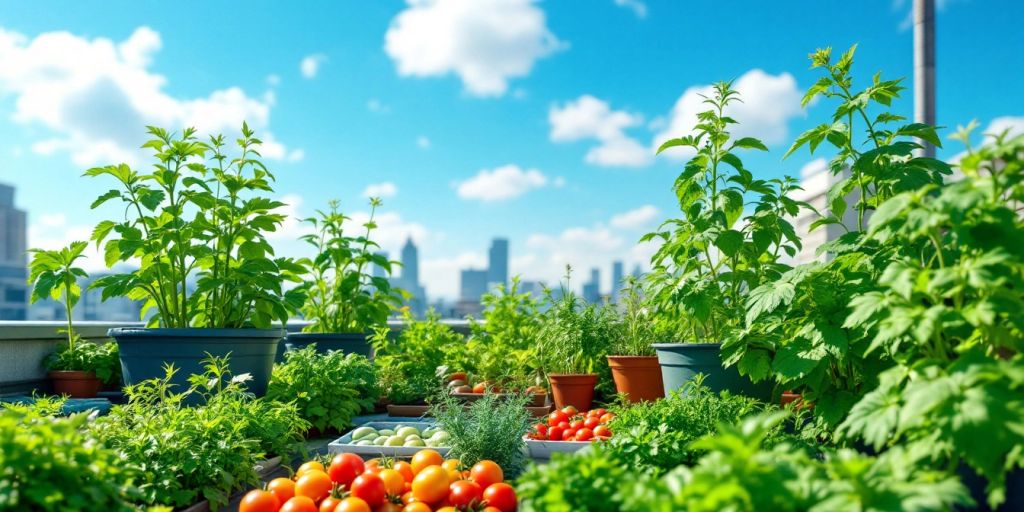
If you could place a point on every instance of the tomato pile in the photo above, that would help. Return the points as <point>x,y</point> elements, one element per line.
<point>569,424</point>
<point>427,483</point>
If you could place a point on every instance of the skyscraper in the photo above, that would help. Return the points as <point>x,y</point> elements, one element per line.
<point>410,262</point>
<point>592,288</point>
<point>13,262</point>
<point>616,280</point>
<point>473,285</point>
<point>409,279</point>
<point>497,262</point>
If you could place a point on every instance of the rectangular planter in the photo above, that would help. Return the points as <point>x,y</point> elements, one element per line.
<point>544,449</point>
<point>408,411</point>
<point>344,443</point>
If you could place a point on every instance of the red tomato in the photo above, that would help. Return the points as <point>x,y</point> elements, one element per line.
<point>369,488</point>
<point>345,467</point>
<point>584,434</point>
<point>591,422</point>
<point>259,501</point>
<point>602,431</point>
<point>568,435</point>
<point>405,469</point>
<point>541,429</point>
<point>501,496</point>
<point>480,388</point>
<point>555,433</point>
<point>299,504</point>
<point>570,410</point>
<point>576,425</point>
<point>352,504</point>
<point>597,412</point>
<point>557,417</point>
<point>485,473</point>
<point>465,493</point>
<point>605,418</point>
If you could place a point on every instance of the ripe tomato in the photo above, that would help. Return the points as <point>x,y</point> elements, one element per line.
<point>353,504</point>
<point>541,429</point>
<point>606,417</point>
<point>486,472</point>
<point>568,435</point>
<point>394,482</point>
<point>299,504</point>
<point>451,465</point>
<point>480,388</point>
<point>405,469</point>
<point>370,488</point>
<point>431,484</point>
<point>584,434</point>
<point>389,507</point>
<point>313,484</point>
<point>491,509</point>
<point>602,431</point>
<point>259,501</point>
<point>555,433</point>
<point>576,425</point>
<point>309,466</point>
<point>418,506</point>
<point>345,467</point>
<point>501,496</point>
<point>597,412</point>
<point>570,411</point>
<point>465,493</point>
<point>424,459</point>
<point>328,504</point>
<point>591,422</point>
<point>565,425</point>
<point>458,376</point>
<point>557,417</point>
<point>283,488</point>
<point>408,498</point>
<point>447,509</point>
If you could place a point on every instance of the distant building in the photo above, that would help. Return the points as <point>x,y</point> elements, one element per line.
<point>592,288</point>
<point>14,289</point>
<point>91,305</point>
<point>472,285</point>
<point>409,279</point>
<point>617,280</point>
<point>410,262</point>
<point>816,184</point>
<point>497,263</point>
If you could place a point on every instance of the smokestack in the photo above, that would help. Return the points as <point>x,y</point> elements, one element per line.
<point>924,67</point>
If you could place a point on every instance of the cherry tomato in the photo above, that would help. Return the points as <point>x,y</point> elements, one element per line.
<point>568,435</point>
<point>370,488</point>
<point>606,417</point>
<point>570,410</point>
<point>388,507</point>
<point>565,425</point>
<point>576,425</point>
<point>485,473</point>
<point>591,422</point>
<point>283,488</point>
<point>329,504</point>
<point>259,501</point>
<point>598,412</point>
<point>394,482</point>
<point>315,485</point>
<point>501,496</point>
<point>353,504</point>
<point>451,465</point>
<point>424,459</point>
<point>431,484</point>
<point>464,493</point>
<point>345,467</point>
<point>541,429</point>
<point>309,466</point>
<point>584,434</point>
<point>602,431</point>
<point>555,433</point>
<point>417,506</point>
<point>557,417</point>
<point>299,504</point>
<point>405,469</point>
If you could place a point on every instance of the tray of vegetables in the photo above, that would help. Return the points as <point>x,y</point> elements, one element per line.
<point>391,439</point>
<point>568,431</point>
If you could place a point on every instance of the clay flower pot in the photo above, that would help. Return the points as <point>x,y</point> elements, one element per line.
<point>637,377</point>
<point>576,390</point>
<point>75,384</point>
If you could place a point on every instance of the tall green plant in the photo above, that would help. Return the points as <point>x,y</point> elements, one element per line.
<point>197,225</point>
<point>408,364</point>
<point>711,257</point>
<point>341,294</point>
<point>502,348</point>
<point>637,328</point>
<point>575,337</point>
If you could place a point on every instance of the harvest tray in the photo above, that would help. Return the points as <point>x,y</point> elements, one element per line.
<point>344,443</point>
<point>543,449</point>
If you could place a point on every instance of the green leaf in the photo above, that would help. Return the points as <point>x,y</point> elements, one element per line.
<point>729,242</point>
<point>767,297</point>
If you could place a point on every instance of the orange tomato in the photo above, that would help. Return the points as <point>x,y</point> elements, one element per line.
<point>394,482</point>
<point>352,504</point>
<point>451,464</point>
<point>424,459</point>
<point>389,507</point>
<point>491,509</point>
<point>418,506</point>
<point>372,466</point>
<point>453,476</point>
<point>283,488</point>
<point>486,472</point>
<point>408,498</point>
<point>259,501</point>
<point>299,504</point>
<point>329,504</point>
<point>315,485</point>
<point>431,484</point>
<point>405,469</point>
<point>309,466</point>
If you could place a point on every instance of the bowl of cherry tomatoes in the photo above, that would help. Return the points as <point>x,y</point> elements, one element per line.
<point>568,430</point>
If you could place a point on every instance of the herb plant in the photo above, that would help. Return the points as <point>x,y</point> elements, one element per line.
<point>490,428</point>
<point>638,331</point>
<point>341,294</point>
<point>408,365</point>
<point>501,349</point>
<point>328,389</point>
<point>575,337</point>
<point>197,226</point>
<point>587,480</point>
<point>711,257</point>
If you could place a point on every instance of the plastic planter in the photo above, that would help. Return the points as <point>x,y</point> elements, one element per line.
<point>681,362</point>
<point>145,352</point>
<point>349,343</point>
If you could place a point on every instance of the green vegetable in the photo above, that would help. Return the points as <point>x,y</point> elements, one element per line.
<point>502,348</point>
<point>408,366</point>
<point>490,428</point>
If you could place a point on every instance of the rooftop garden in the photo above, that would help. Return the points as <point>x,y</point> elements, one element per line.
<point>887,376</point>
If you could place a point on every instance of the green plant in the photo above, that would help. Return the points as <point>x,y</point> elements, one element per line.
<point>588,480</point>
<point>103,360</point>
<point>408,365</point>
<point>708,259</point>
<point>490,428</point>
<point>638,331</point>
<point>574,337</point>
<point>501,349</point>
<point>328,389</point>
<point>197,225</point>
<point>341,295</point>
<point>50,465</point>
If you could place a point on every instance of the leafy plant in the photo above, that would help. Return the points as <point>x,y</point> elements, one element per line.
<point>103,360</point>
<point>197,226</point>
<point>489,428</point>
<point>50,465</point>
<point>328,389</point>
<point>587,480</point>
<point>638,331</point>
<point>502,348</point>
<point>575,337</point>
<point>408,365</point>
<point>341,295</point>
<point>709,260</point>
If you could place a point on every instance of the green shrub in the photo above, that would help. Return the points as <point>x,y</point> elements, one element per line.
<point>490,428</point>
<point>103,360</point>
<point>408,366</point>
<point>327,389</point>
<point>589,480</point>
<point>50,464</point>
<point>502,348</point>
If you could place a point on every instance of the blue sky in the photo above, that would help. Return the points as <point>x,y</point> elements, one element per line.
<point>476,118</point>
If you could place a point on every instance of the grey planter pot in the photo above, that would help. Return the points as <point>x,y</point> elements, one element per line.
<point>349,343</point>
<point>144,352</point>
<point>681,362</point>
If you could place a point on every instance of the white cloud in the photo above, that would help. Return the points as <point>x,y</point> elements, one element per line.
<point>441,276</point>
<point>635,219</point>
<point>591,118</point>
<point>310,65</point>
<point>392,231</point>
<point>52,231</point>
<point>485,42</point>
<point>1014,125</point>
<point>769,102</point>
<point>384,189</point>
<point>502,183</point>
<point>423,142</point>
<point>96,96</point>
<point>637,6</point>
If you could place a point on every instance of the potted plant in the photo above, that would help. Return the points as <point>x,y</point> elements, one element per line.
<point>344,301</point>
<point>574,339</point>
<point>196,227</point>
<point>635,367</point>
<point>77,368</point>
<point>713,255</point>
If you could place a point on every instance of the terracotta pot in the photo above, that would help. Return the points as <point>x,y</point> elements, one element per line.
<point>637,377</point>
<point>75,384</point>
<point>789,397</point>
<point>576,390</point>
